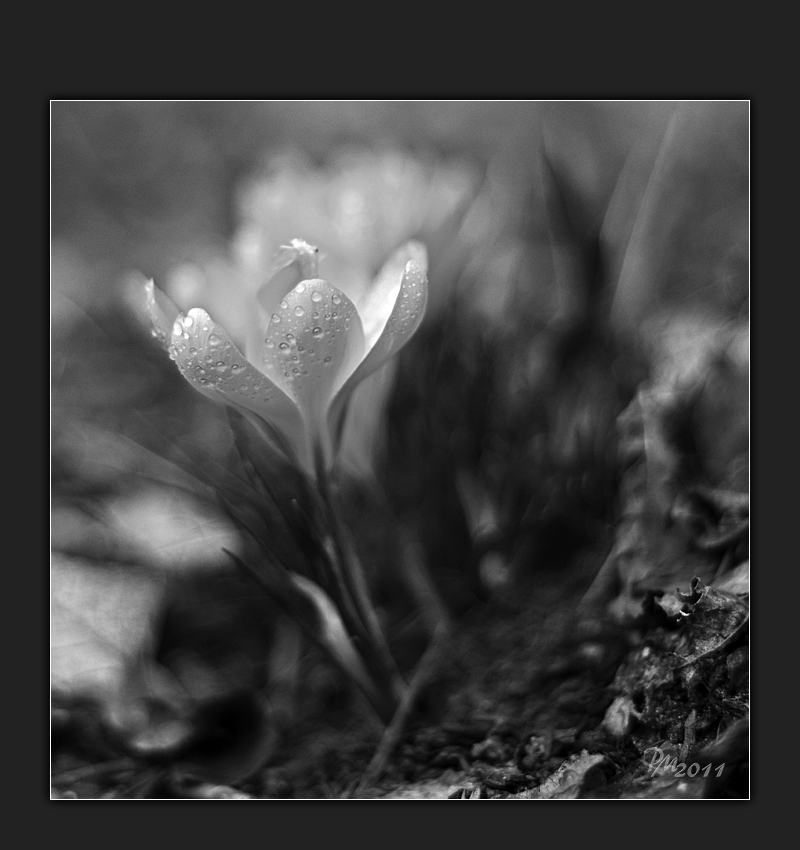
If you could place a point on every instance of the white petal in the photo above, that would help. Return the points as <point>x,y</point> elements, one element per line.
<point>208,359</point>
<point>377,304</point>
<point>404,319</point>
<point>313,344</point>
<point>296,261</point>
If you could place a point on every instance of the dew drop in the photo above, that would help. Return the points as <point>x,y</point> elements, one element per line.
<point>235,367</point>
<point>188,321</point>
<point>289,337</point>
<point>192,351</point>
<point>243,387</point>
<point>295,358</point>
<point>270,343</point>
<point>316,333</point>
<point>337,299</point>
<point>283,346</point>
<point>208,358</point>
<point>316,296</point>
<point>327,360</point>
<point>213,339</point>
<point>275,318</point>
<point>296,371</point>
<point>301,287</point>
<point>298,311</point>
<point>334,314</point>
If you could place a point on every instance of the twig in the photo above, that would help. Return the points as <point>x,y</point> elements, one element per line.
<point>425,668</point>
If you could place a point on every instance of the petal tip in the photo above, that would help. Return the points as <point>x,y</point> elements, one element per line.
<point>144,286</point>
<point>418,254</point>
<point>160,310</point>
<point>199,315</point>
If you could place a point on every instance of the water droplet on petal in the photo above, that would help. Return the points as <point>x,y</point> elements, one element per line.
<point>192,351</point>
<point>298,311</point>
<point>275,318</point>
<point>290,337</point>
<point>188,321</point>
<point>301,287</point>
<point>327,360</point>
<point>213,339</point>
<point>235,367</point>
<point>283,346</point>
<point>316,333</point>
<point>270,343</point>
<point>316,296</point>
<point>337,299</point>
<point>284,304</point>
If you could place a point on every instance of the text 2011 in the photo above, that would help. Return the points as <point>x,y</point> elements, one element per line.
<point>661,763</point>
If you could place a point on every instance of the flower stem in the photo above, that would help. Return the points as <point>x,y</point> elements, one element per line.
<point>358,610</point>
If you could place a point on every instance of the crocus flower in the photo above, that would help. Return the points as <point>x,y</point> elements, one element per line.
<point>315,346</point>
